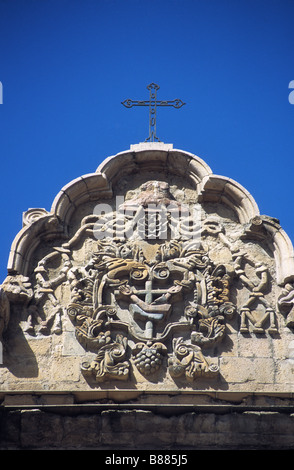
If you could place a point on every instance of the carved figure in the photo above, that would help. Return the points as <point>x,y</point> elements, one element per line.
<point>256,296</point>
<point>286,304</point>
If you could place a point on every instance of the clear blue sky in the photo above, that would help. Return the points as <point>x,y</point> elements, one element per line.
<point>66,65</point>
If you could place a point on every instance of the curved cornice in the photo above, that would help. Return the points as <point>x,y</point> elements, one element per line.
<point>154,158</point>
<point>90,187</point>
<point>219,189</point>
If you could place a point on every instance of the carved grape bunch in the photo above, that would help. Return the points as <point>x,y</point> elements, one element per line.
<point>148,358</point>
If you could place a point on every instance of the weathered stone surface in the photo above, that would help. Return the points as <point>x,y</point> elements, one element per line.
<point>156,279</point>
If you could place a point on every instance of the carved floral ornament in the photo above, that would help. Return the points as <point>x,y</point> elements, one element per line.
<point>163,278</point>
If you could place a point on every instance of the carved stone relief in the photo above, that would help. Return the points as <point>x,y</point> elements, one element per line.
<point>151,284</point>
<point>150,304</point>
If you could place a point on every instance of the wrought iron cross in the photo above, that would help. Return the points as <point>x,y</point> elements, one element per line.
<point>153,103</point>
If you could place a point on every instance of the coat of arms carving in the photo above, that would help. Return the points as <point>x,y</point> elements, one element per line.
<point>151,301</point>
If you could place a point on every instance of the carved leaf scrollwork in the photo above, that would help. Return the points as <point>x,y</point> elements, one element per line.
<point>188,360</point>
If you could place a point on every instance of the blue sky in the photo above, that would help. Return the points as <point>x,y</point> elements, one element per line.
<point>66,65</point>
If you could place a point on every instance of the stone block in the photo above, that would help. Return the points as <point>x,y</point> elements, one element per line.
<point>40,430</point>
<point>244,370</point>
<point>65,370</point>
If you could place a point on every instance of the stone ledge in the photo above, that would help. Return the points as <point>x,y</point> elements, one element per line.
<point>168,401</point>
<point>140,430</point>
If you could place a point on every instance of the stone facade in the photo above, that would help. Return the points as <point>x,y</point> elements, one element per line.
<point>152,284</point>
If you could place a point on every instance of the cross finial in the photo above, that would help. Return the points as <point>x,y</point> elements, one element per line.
<point>153,103</point>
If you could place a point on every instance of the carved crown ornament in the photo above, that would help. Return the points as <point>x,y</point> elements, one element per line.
<point>150,259</point>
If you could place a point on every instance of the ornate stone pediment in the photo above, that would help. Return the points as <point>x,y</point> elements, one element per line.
<point>159,268</point>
